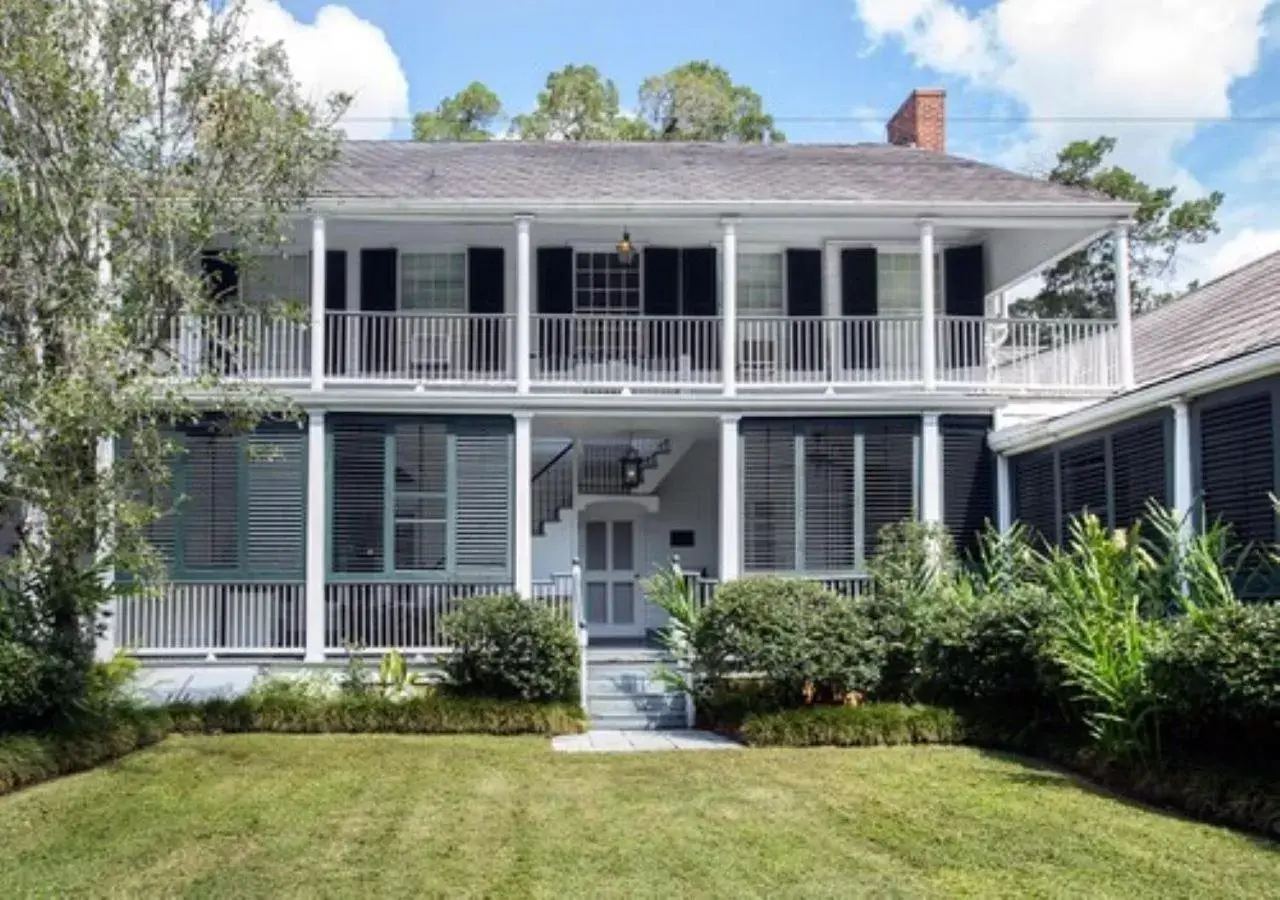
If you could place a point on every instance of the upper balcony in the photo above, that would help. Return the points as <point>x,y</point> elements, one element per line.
<point>659,354</point>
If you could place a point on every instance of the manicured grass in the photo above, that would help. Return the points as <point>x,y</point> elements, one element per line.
<point>401,816</point>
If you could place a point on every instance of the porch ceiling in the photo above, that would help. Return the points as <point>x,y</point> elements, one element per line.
<point>624,427</point>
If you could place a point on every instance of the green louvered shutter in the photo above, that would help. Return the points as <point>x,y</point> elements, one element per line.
<point>1139,470</point>
<point>890,476</point>
<point>277,512</point>
<point>359,462</point>
<point>768,497</point>
<point>1237,467</point>
<point>209,512</point>
<point>1084,483</point>
<point>421,502</point>
<point>1035,494</point>
<point>968,480</point>
<point>829,504</point>
<point>483,498</point>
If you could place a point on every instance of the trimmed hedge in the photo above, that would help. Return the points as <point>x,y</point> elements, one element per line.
<point>30,758</point>
<point>876,724</point>
<point>370,713</point>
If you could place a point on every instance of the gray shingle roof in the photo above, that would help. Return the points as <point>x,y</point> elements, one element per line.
<point>672,172</point>
<point>1233,315</point>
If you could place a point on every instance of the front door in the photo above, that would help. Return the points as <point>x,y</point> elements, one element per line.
<point>609,579</point>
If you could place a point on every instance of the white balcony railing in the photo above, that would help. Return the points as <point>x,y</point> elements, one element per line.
<point>239,345</point>
<point>212,618</point>
<point>409,616</point>
<point>626,350</point>
<point>1061,354</point>
<point>656,353</point>
<point>458,348</point>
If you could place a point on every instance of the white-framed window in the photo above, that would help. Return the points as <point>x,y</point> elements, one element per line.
<point>604,285</point>
<point>277,279</point>
<point>898,284</point>
<point>433,282</point>
<point>760,285</point>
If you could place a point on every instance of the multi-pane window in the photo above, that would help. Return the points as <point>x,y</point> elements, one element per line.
<point>760,287</point>
<point>421,498</point>
<point>605,285</point>
<point>278,279</point>
<point>898,284</point>
<point>433,282</point>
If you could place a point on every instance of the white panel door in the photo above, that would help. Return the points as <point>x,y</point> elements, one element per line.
<point>609,579</point>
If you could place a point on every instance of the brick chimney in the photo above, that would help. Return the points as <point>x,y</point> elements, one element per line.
<point>921,121</point>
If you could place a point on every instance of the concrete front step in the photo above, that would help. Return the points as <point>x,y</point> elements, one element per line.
<point>640,723</point>
<point>635,704</point>
<point>624,690</point>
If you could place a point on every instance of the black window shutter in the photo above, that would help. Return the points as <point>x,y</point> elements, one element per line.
<point>1035,502</point>
<point>698,276</point>
<point>378,291</point>
<point>486,280</point>
<point>768,496</point>
<point>964,285</point>
<point>555,280</point>
<point>335,300</point>
<point>661,281</point>
<point>1237,466</point>
<point>858,297</point>
<point>890,475</point>
<point>804,282</point>
<point>221,275</point>
<point>1084,483</point>
<point>968,486</point>
<point>805,348</point>
<point>1139,470</point>
<point>486,296</point>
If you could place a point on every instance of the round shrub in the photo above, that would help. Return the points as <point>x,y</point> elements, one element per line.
<point>1217,674</point>
<point>794,635</point>
<point>509,648</point>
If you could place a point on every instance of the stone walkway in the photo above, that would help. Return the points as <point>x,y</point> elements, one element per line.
<point>640,741</point>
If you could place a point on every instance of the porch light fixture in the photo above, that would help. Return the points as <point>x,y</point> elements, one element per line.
<point>626,249</point>
<point>630,465</point>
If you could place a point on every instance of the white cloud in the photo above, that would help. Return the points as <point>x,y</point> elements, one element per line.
<point>1087,58</point>
<point>339,51</point>
<point>1243,247</point>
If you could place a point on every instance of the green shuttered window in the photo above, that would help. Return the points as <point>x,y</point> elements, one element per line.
<point>238,505</point>
<point>420,498</point>
<point>1237,466</point>
<point>815,493</point>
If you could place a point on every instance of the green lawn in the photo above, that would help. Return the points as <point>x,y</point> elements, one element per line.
<point>385,816</point>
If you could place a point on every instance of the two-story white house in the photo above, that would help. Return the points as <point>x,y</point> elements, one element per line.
<point>520,355</point>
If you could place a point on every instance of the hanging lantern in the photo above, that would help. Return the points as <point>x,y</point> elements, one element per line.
<point>626,249</point>
<point>631,465</point>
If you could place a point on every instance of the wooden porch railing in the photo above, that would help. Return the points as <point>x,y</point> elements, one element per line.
<point>213,618</point>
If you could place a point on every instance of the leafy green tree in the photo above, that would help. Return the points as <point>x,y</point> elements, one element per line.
<point>577,104</point>
<point>466,116</point>
<point>133,134</point>
<point>698,101</point>
<point>1082,285</point>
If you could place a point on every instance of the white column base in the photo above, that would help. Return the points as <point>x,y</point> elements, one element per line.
<point>522,545</point>
<point>730,566</point>
<point>930,470</point>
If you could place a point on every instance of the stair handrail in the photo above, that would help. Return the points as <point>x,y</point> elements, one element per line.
<point>568,448</point>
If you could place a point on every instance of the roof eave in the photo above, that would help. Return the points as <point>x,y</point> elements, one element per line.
<point>1096,210</point>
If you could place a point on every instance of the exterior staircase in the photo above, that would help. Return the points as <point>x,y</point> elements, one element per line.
<point>625,692</point>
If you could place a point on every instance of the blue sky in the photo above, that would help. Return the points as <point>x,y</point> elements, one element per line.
<point>1017,67</point>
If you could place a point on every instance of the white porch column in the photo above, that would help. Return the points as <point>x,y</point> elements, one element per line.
<point>930,469</point>
<point>522,545</point>
<point>1183,482</point>
<point>729,307</point>
<point>105,643</point>
<point>318,269</point>
<point>1004,494</point>
<point>524,322</point>
<point>831,307</point>
<point>1124,313</point>
<point>928,354</point>
<point>317,518</point>
<point>730,566</point>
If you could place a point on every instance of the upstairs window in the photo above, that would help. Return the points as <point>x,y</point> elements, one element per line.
<point>604,285</point>
<point>760,285</point>
<point>433,282</point>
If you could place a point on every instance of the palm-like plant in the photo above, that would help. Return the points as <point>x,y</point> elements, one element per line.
<point>671,591</point>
